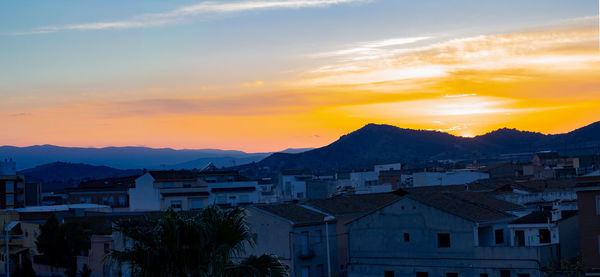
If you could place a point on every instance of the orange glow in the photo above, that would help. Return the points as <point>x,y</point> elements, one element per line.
<point>546,81</point>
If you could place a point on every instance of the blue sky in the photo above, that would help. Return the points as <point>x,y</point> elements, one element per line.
<point>60,53</point>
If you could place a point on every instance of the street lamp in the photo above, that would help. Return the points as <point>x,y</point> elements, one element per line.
<point>327,219</point>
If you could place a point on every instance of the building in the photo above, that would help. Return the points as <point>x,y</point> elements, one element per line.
<point>548,227</point>
<point>292,184</point>
<point>181,190</point>
<point>113,192</point>
<point>297,235</point>
<point>448,178</point>
<point>442,234</point>
<point>502,170</point>
<point>12,186</point>
<point>96,260</point>
<point>229,189</point>
<point>588,200</point>
<point>33,194</point>
<point>346,208</point>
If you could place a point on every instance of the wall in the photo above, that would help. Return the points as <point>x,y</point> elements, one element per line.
<point>569,237</point>
<point>145,196</point>
<point>376,244</point>
<point>589,227</point>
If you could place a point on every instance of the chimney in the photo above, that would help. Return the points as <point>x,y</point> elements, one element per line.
<point>556,211</point>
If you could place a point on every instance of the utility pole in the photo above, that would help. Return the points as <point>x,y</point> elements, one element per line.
<point>6,240</point>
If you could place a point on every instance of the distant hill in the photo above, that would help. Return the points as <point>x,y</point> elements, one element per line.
<point>377,144</point>
<point>128,157</point>
<point>59,175</point>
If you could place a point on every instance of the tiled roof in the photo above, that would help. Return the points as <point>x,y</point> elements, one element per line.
<point>294,213</point>
<point>476,207</point>
<point>173,175</point>
<point>359,204</point>
<point>108,183</point>
<point>541,217</point>
<point>547,155</point>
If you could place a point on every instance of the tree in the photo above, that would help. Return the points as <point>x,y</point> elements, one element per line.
<point>182,244</point>
<point>62,243</point>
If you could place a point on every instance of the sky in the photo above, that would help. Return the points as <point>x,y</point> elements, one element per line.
<point>266,75</point>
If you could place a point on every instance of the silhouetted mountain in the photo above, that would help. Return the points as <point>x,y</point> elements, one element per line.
<point>59,175</point>
<point>377,144</point>
<point>124,157</point>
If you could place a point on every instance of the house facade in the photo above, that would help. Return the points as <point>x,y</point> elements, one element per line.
<point>588,198</point>
<point>297,235</point>
<point>441,234</point>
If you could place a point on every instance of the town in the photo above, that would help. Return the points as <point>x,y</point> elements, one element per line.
<point>537,217</point>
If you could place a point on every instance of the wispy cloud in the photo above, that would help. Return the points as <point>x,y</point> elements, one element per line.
<point>181,14</point>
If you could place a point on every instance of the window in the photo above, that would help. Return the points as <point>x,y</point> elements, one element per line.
<point>176,204</point>
<point>318,236</point>
<point>304,242</point>
<point>504,273</point>
<point>519,238</point>
<point>451,274</point>
<point>111,200</point>
<point>422,274</point>
<point>105,200</point>
<point>406,237</point>
<point>106,247</point>
<point>122,201</point>
<point>305,272</point>
<point>196,204</point>
<point>10,187</point>
<point>443,240</point>
<point>544,235</point>
<point>388,273</point>
<point>10,199</point>
<point>499,235</point>
<point>299,195</point>
<point>320,270</point>
<point>187,185</point>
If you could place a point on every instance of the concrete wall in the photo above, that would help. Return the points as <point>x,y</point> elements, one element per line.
<point>145,196</point>
<point>278,236</point>
<point>589,227</point>
<point>376,244</point>
<point>569,237</point>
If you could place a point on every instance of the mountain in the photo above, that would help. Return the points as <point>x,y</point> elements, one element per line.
<point>125,157</point>
<point>378,144</point>
<point>59,175</point>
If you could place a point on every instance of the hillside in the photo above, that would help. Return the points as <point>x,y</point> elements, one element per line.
<point>376,144</point>
<point>59,175</point>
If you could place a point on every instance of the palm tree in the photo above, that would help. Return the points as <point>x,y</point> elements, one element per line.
<point>182,244</point>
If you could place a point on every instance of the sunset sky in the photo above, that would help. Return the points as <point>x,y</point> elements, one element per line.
<point>265,75</point>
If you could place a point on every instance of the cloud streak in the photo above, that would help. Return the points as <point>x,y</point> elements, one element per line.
<point>180,14</point>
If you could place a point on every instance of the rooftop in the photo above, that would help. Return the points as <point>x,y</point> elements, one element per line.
<point>476,207</point>
<point>354,204</point>
<point>542,217</point>
<point>293,212</point>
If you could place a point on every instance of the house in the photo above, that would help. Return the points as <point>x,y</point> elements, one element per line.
<point>33,194</point>
<point>229,189</point>
<point>12,186</point>
<point>441,234</point>
<point>346,208</point>
<point>502,170</point>
<point>96,260</point>
<point>548,227</point>
<point>181,190</point>
<point>588,200</point>
<point>297,235</point>
<point>112,192</point>
<point>292,184</point>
